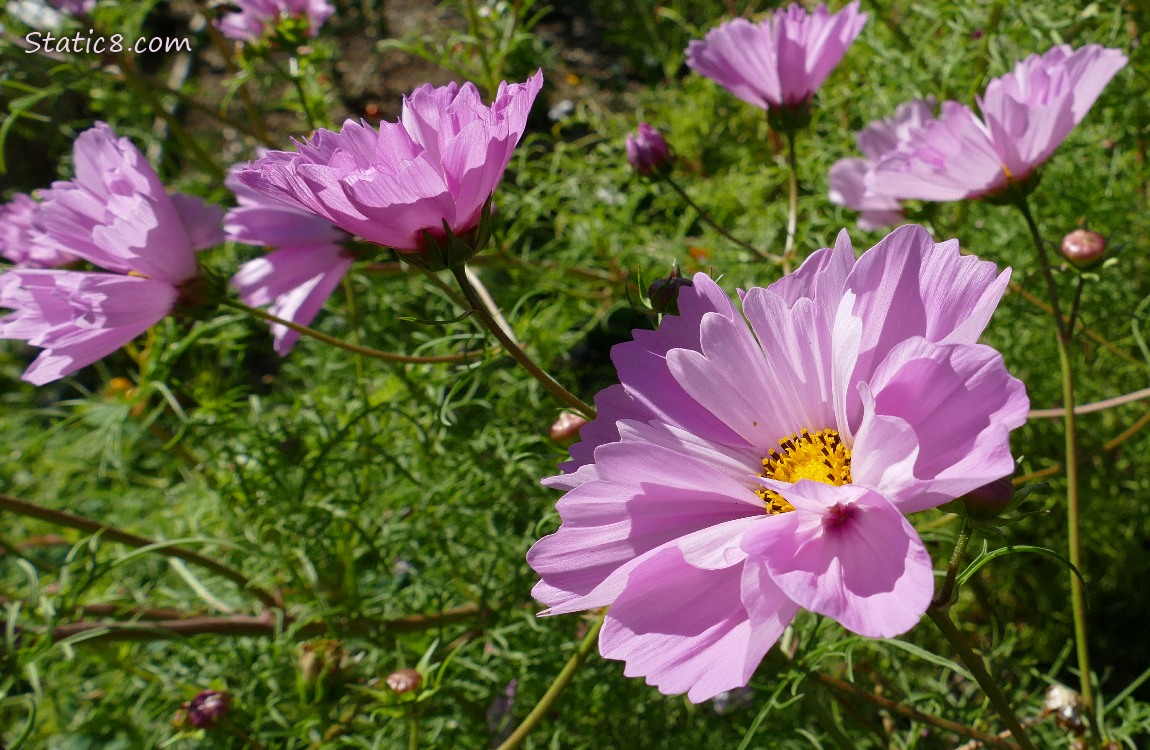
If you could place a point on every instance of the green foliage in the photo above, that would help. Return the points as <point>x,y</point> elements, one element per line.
<point>363,493</point>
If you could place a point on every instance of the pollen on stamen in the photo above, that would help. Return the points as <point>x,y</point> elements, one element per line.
<point>818,456</point>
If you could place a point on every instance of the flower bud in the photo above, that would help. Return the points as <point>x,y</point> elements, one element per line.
<point>404,680</point>
<point>664,293</point>
<point>1065,705</point>
<point>647,151</point>
<point>989,500</point>
<point>206,709</point>
<point>565,429</point>
<point>319,665</point>
<point>1083,248</point>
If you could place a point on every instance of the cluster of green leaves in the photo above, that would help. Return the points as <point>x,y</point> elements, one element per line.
<point>365,493</point>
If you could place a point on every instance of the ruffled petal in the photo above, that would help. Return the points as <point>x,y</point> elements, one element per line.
<point>847,553</point>
<point>961,404</point>
<point>687,630</point>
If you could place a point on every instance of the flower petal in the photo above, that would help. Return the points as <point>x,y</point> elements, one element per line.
<point>687,630</point>
<point>847,553</point>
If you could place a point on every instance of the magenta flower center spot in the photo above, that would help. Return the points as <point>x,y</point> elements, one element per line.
<point>838,515</point>
<point>819,456</point>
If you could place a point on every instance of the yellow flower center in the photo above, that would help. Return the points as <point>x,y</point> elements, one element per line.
<point>819,456</point>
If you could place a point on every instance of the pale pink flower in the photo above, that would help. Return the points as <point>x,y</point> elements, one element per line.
<point>848,177</point>
<point>760,460</point>
<point>23,241</point>
<point>114,214</point>
<point>781,61</point>
<point>307,265</point>
<point>257,18</point>
<point>435,168</point>
<point>1026,114</point>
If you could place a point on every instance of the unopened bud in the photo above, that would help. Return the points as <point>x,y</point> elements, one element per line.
<point>989,500</point>
<point>664,293</point>
<point>565,429</point>
<point>1083,248</point>
<point>647,150</point>
<point>207,709</point>
<point>404,680</point>
<point>320,663</point>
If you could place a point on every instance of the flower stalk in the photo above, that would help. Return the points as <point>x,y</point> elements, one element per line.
<point>792,200</point>
<point>943,600</point>
<point>706,218</point>
<point>1064,328</point>
<point>557,687</point>
<point>475,300</point>
<point>973,663</point>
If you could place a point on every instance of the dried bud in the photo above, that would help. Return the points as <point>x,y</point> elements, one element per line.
<point>1065,706</point>
<point>1083,248</point>
<point>664,293</point>
<point>207,709</point>
<point>565,429</point>
<point>989,500</point>
<point>647,151</point>
<point>404,680</point>
<point>319,663</point>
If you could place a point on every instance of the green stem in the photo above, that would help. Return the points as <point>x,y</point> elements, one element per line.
<point>792,200</point>
<point>340,343</point>
<point>1075,304</point>
<point>711,222</point>
<point>943,599</point>
<point>974,664</point>
<point>1065,335</point>
<point>1064,332</point>
<point>480,310</point>
<point>548,700</point>
<point>413,736</point>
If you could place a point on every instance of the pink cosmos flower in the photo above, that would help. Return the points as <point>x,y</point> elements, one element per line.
<point>115,214</point>
<point>781,61</point>
<point>256,18</point>
<point>760,460</point>
<point>22,240</point>
<point>296,279</point>
<point>1026,114</point>
<point>848,177</point>
<point>437,166</point>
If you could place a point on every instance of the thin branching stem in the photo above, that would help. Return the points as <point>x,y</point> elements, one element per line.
<point>354,348</point>
<point>1108,446</point>
<point>113,534</point>
<point>1095,406</point>
<point>914,714</point>
<point>265,625</point>
<point>551,384</point>
<point>706,217</point>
